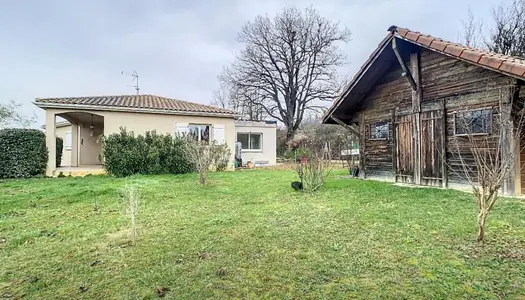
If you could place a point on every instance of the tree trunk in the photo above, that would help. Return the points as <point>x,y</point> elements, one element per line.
<point>202,178</point>
<point>481,226</point>
<point>289,133</point>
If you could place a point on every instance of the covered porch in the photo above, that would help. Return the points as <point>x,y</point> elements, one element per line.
<point>82,143</point>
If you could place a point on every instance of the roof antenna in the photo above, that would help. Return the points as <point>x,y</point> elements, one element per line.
<point>135,76</point>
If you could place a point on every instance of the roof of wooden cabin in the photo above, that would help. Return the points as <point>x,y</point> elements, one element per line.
<point>505,64</point>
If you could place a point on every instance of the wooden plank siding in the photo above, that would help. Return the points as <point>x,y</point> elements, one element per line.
<point>447,85</point>
<point>404,145</point>
<point>431,145</point>
<point>392,92</point>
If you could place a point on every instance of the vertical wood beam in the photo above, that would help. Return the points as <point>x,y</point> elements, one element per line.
<point>508,141</point>
<point>362,146</point>
<point>394,145</point>
<point>444,170</point>
<point>416,116</point>
<point>517,168</point>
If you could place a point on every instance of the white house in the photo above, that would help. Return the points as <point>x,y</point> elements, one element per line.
<point>258,140</point>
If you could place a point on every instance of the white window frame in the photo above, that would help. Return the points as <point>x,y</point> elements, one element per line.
<point>248,134</point>
<point>210,129</point>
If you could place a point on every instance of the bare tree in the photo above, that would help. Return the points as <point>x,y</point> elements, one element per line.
<point>244,103</point>
<point>472,35</point>
<point>485,143</point>
<point>221,99</point>
<point>207,156</point>
<point>506,32</point>
<point>10,115</point>
<point>508,35</point>
<point>289,62</point>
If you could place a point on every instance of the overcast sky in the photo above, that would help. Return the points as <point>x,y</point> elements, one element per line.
<point>59,48</point>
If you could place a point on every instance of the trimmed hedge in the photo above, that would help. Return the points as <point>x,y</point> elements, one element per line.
<point>60,148</point>
<point>126,154</point>
<point>23,153</point>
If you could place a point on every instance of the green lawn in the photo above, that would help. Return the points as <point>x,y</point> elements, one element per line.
<point>249,235</point>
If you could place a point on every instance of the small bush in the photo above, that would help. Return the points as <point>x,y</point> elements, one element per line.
<point>317,163</point>
<point>23,153</point>
<point>208,156</point>
<point>221,157</point>
<point>296,154</point>
<point>126,154</point>
<point>60,147</point>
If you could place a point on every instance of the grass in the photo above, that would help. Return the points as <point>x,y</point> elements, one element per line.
<point>249,235</point>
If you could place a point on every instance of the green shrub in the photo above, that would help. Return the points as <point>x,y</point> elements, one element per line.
<point>126,154</point>
<point>60,147</point>
<point>221,157</point>
<point>23,153</point>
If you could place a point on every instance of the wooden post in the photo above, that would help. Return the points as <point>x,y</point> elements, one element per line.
<point>416,116</point>
<point>507,139</point>
<point>517,168</point>
<point>444,170</point>
<point>362,146</point>
<point>394,145</point>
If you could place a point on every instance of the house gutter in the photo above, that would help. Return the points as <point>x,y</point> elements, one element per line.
<point>135,110</point>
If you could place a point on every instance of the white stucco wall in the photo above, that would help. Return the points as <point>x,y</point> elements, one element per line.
<point>66,153</point>
<point>139,123</point>
<point>268,150</point>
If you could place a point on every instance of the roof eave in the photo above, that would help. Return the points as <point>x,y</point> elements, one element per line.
<point>44,105</point>
<point>328,115</point>
<point>520,77</point>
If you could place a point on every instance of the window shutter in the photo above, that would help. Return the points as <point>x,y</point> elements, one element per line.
<point>218,133</point>
<point>182,129</point>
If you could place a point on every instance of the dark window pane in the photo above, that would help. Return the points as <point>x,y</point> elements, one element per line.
<point>194,132</point>
<point>243,139</point>
<point>205,133</point>
<point>473,122</point>
<point>255,141</point>
<point>200,132</point>
<point>379,130</point>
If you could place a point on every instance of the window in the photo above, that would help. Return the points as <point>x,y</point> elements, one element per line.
<point>379,131</point>
<point>199,132</point>
<point>68,141</point>
<point>472,122</point>
<point>250,141</point>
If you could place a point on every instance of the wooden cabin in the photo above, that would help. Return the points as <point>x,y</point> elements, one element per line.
<point>407,99</point>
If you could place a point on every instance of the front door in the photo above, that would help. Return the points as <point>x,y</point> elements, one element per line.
<point>432,162</point>
<point>404,149</point>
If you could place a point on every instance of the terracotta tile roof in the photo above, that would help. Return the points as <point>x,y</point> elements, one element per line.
<point>138,102</point>
<point>509,65</point>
